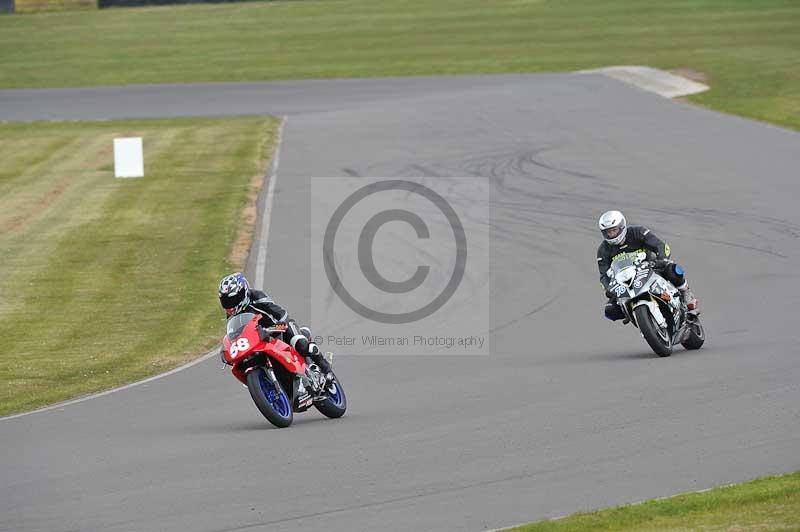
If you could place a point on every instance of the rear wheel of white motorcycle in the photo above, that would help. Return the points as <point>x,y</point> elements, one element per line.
<point>270,398</point>
<point>696,337</point>
<point>657,338</point>
<point>335,404</point>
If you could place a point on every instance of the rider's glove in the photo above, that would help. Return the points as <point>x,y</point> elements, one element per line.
<point>661,264</point>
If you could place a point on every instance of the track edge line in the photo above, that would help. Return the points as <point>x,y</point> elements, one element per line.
<point>272,174</point>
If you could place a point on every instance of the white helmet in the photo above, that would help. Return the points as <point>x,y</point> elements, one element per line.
<point>612,225</point>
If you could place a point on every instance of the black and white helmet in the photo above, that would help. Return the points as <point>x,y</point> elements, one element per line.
<point>234,293</point>
<point>613,226</point>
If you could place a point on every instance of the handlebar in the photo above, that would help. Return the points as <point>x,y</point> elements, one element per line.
<point>268,332</point>
<point>660,264</point>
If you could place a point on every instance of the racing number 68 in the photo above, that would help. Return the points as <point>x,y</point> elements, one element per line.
<point>242,344</point>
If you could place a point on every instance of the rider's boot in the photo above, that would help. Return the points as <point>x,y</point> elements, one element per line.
<point>688,299</point>
<point>316,356</point>
<point>613,312</point>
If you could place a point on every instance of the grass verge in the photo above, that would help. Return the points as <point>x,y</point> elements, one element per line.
<point>105,280</point>
<point>750,50</point>
<point>771,503</point>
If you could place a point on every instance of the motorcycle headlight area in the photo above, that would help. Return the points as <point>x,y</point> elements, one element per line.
<point>658,287</point>
<point>626,275</point>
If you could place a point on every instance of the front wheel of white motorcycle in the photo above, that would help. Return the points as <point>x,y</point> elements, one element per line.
<point>658,339</point>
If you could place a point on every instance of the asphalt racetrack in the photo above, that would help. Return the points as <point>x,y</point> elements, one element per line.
<point>569,411</point>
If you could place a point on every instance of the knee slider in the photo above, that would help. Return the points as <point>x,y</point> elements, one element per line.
<point>678,269</point>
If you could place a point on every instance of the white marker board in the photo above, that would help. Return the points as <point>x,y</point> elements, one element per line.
<point>128,157</point>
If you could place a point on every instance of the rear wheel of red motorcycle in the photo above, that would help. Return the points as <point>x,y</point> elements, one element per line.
<point>270,398</point>
<point>335,404</point>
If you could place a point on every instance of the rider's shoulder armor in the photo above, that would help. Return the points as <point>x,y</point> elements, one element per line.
<point>634,239</point>
<point>259,297</point>
<point>264,304</point>
<point>636,234</point>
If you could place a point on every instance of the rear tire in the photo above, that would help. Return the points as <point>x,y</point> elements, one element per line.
<point>650,331</point>
<point>270,398</point>
<point>335,404</point>
<point>696,337</point>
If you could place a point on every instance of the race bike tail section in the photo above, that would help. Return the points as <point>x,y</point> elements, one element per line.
<point>280,381</point>
<point>653,304</point>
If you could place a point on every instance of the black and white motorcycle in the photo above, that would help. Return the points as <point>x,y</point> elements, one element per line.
<point>653,304</point>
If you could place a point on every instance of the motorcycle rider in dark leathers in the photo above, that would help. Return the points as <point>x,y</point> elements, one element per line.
<point>236,296</point>
<point>619,238</point>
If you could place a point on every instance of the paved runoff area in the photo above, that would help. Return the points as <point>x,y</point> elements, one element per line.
<point>653,80</point>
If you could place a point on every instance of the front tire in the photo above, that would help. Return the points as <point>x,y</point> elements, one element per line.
<point>270,398</point>
<point>697,336</point>
<point>651,332</point>
<point>335,404</point>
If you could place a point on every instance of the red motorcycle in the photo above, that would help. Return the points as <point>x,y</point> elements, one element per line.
<point>279,380</point>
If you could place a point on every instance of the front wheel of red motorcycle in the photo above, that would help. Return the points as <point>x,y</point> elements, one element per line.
<point>270,398</point>
<point>335,403</point>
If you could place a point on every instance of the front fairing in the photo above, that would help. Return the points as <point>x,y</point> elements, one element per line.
<point>641,282</point>
<point>286,356</point>
<point>637,278</point>
<point>649,285</point>
<point>242,338</point>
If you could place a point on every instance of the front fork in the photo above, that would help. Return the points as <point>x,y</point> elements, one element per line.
<point>683,322</point>
<point>655,311</point>
<point>241,374</point>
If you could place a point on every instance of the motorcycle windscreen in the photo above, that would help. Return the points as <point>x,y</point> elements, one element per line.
<point>620,263</point>
<point>237,324</point>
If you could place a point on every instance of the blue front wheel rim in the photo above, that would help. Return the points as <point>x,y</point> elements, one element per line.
<point>275,396</point>
<point>335,397</point>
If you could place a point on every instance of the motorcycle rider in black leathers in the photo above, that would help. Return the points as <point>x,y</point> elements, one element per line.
<point>236,296</point>
<point>618,238</point>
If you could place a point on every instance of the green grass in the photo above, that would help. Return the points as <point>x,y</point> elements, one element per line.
<point>106,280</point>
<point>750,49</point>
<point>771,503</point>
